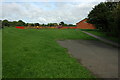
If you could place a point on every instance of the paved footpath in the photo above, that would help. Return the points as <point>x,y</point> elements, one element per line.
<point>102,39</point>
<point>100,58</point>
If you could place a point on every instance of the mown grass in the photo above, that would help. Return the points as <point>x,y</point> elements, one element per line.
<point>89,29</point>
<point>0,53</point>
<point>34,53</point>
<point>102,34</point>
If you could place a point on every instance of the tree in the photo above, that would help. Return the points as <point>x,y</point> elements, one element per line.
<point>50,24</point>
<point>42,24</point>
<point>99,15</point>
<point>65,24</point>
<point>71,25</point>
<point>5,23</point>
<point>26,24</point>
<point>117,19</point>
<point>61,23</point>
<point>37,24</point>
<point>32,24</point>
<point>105,17</point>
<point>13,23</point>
<point>114,21</point>
<point>20,23</point>
<point>55,24</point>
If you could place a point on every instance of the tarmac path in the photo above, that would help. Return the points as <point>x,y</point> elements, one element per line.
<point>100,58</point>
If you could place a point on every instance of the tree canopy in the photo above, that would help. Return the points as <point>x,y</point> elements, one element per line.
<point>22,23</point>
<point>105,17</point>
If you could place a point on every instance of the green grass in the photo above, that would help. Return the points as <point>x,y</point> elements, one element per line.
<point>101,34</point>
<point>89,29</point>
<point>0,53</point>
<point>34,53</point>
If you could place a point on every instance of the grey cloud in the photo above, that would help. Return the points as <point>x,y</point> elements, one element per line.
<point>29,12</point>
<point>53,0</point>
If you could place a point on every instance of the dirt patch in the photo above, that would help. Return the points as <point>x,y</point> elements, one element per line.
<point>98,57</point>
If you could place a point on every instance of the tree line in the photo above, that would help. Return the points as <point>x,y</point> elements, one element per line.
<point>6,23</point>
<point>106,17</point>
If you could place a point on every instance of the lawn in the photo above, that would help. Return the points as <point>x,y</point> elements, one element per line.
<point>0,53</point>
<point>102,34</point>
<point>34,53</point>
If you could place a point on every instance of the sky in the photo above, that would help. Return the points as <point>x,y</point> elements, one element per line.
<point>46,11</point>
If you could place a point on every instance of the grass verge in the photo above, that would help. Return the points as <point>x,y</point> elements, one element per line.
<point>101,34</point>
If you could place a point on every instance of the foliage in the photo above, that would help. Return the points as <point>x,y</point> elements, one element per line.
<point>37,24</point>
<point>71,25</point>
<point>26,24</point>
<point>31,24</point>
<point>61,23</point>
<point>105,17</point>
<point>52,24</point>
<point>114,21</point>
<point>21,23</point>
<point>5,23</point>
<point>64,24</point>
<point>12,23</point>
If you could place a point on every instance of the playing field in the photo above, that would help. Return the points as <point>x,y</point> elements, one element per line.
<point>0,53</point>
<point>34,53</point>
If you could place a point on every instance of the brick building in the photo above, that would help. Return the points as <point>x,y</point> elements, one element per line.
<point>84,25</point>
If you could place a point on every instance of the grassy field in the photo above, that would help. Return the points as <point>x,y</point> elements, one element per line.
<point>34,53</point>
<point>0,53</point>
<point>101,34</point>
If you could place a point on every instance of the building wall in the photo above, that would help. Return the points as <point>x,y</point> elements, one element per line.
<point>84,25</point>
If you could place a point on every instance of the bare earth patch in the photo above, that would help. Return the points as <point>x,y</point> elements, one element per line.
<point>98,57</point>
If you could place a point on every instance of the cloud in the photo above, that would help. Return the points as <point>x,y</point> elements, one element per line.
<point>53,0</point>
<point>47,12</point>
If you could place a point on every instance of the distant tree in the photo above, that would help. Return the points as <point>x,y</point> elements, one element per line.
<point>26,24</point>
<point>20,23</point>
<point>65,24</point>
<point>5,23</point>
<point>42,24</point>
<point>55,24</point>
<point>71,25</point>
<point>13,23</point>
<point>32,24</point>
<point>37,24</point>
<point>52,24</point>
<point>61,23</point>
